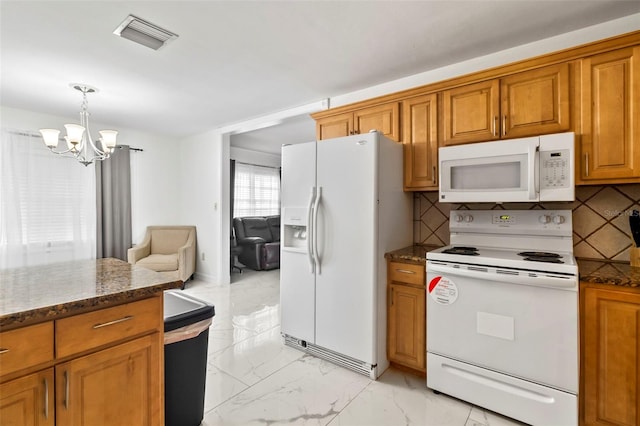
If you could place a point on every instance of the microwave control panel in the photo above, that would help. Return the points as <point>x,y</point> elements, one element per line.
<point>554,169</point>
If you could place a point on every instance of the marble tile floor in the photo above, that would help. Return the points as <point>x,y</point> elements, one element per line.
<point>253,379</point>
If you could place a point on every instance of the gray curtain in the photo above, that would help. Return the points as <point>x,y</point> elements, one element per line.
<point>113,193</point>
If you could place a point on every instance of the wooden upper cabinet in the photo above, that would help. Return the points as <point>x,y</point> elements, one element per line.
<point>535,102</point>
<point>471,113</point>
<point>528,103</point>
<point>610,356</point>
<point>420,142</point>
<point>610,92</point>
<point>334,126</point>
<point>383,118</point>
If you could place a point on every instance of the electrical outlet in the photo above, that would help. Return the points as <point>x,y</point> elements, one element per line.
<point>203,256</point>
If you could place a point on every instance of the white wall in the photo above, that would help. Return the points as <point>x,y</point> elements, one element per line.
<point>155,179</point>
<point>254,157</point>
<point>541,47</point>
<point>202,200</point>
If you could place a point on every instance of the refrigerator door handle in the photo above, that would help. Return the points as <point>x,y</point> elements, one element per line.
<point>316,204</point>
<point>312,263</point>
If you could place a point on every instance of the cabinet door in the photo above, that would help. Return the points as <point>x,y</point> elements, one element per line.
<point>420,140</point>
<point>611,357</point>
<point>120,385</point>
<point>406,331</point>
<point>28,401</point>
<point>610,116</point>
<point>335,126</point>
<point>535,102</point>
<point>471,113</point>
<point>383,118</point>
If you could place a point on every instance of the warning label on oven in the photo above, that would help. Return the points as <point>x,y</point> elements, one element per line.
<point>443,290</point>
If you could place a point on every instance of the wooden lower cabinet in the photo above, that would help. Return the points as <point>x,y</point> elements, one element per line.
<point>610,367</point>
<point>108,369</point>
<point>28,400</point>
<point>406,316</point>
<point>117,386</point>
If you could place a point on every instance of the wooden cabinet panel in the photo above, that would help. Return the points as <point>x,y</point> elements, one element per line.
<point>28,401</point>
<point>334,126</point>
<point>94,329</point>
<point>383,118</point>
<point>611,357</point>
<point>610,120</point>
<point>406,333</point>
<point>535,102</point>
<point>25,347</point>
<point>121,385</point>
<point>406,272</point>
<point>471,113</point>
<point>420,142</point>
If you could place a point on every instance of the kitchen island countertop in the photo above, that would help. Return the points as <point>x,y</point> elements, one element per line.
<point>40,293</point>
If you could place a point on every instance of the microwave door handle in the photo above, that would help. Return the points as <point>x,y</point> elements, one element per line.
<point>531,159</point>
<point>536,178</point>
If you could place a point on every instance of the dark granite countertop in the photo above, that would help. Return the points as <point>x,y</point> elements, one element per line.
<point>40,293</point>
<point>610,273</point>
<point>591,271</point>
<point>413,254</point>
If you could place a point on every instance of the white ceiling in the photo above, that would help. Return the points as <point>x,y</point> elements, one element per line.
<point>236,60</point>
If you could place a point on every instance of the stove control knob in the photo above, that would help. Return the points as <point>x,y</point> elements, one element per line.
<point>558,220</point>
<point>468,218</point>
<point>544,219</point>
<point>458,218</point>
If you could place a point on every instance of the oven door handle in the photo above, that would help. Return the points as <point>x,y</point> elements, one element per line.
<point>569,283</point>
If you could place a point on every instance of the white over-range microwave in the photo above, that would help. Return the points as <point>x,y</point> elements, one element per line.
<point>531,169</point>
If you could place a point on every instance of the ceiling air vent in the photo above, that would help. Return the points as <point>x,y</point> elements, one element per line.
<point>144,32</point>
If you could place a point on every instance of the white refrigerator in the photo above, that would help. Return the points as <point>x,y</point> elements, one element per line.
<point>343,207</point>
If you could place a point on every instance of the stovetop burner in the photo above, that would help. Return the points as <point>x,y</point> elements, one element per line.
<point>462,250</point>
<point>545,259</point>
<point>544,254</point>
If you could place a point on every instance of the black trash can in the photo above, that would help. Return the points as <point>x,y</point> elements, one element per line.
<point>186,328</point>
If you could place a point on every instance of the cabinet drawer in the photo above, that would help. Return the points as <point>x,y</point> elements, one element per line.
<point>25,347</point>
<point>406,273</point>
<point>93,329</point>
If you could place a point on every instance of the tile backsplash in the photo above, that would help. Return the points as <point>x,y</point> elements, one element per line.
<point>600,218</point>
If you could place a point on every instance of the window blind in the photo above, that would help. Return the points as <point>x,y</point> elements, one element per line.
<point>257,191</point>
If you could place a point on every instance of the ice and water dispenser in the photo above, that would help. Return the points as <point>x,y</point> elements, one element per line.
<point>295,229</point>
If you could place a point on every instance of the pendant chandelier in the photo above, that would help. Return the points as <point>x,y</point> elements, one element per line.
<point>79,143</point>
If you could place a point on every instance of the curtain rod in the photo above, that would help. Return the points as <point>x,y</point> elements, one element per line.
<point>256,165</point>
<point>35,135</point>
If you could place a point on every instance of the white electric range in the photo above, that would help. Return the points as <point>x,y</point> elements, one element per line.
<point>502,314</point>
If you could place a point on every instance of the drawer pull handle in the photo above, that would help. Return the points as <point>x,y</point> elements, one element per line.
<point>106,324</point>
<point>405,271</point>
<point>46,399</point>
<point>3,351</point>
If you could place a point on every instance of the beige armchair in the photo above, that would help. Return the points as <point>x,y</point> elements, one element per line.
<point>167,249</point>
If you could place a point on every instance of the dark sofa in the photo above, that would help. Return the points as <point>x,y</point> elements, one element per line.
<point>259,238</point>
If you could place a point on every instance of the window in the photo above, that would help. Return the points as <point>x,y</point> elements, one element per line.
<point>47,204</point>
<point>256,190</point>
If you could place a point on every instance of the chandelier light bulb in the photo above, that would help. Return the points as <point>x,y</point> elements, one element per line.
<point>74,133</point>
<point>108,139</point>
<point>50,137</point>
